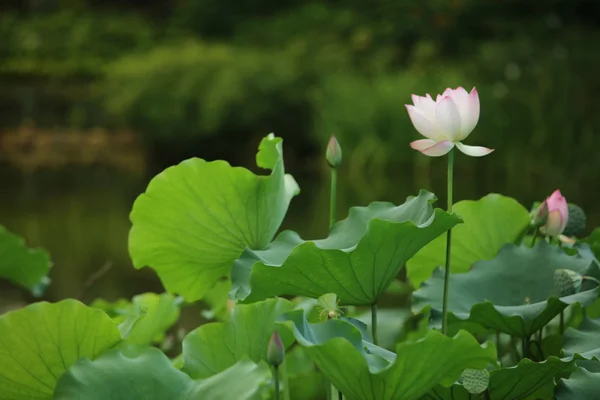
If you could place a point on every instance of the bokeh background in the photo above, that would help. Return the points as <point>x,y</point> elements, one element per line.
<point>97,96</point>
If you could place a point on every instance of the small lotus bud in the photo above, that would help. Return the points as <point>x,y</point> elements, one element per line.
<point>333,153</point>
<point>567,282</point>
<point>540,215</point>
<point>475,381</point>
<point>558,215</point>
<point>275,351</point>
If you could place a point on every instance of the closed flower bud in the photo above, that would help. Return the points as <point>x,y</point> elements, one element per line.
<point>275,351</point>
<point>333,153</point>
<point>539,215</point>
<point>558,215</point>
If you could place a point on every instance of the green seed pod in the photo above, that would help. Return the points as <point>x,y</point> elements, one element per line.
<point>577,220</point>
<point>475,381</point>
<point>567,282</point>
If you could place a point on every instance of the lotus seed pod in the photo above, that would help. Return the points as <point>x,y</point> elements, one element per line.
<point>577,220</point>
<point>567,282</point>
<point>475,381</point>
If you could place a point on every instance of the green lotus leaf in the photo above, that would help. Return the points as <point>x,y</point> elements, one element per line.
<point>490,223</point>
<point>21,265</point>
<point>40,342</point>
<point>145,319</point>
<point>514,293</point>
<point>196,218</point>
<point>306,382</point>
<point>594,241</point>
<point>149,375</point>
<point>584,341</point>
<point>244,380</point>
<point>526,381</point>
<point>357,262</point>
<point>214,347</point>
<point>363,371</point>
<point>581,385</point>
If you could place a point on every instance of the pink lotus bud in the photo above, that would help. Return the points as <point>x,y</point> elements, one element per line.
<point>445,121</point>
<point>558,214</point>
<point>275,351</point>
<point>333,153</point>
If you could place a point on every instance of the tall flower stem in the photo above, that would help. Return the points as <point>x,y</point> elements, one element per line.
<point>374,324</point>
<point>286,381</point>
<point>332,197</point>
<point>276,379</point>
<point>535,235</point>
<point>332,202</point>
<point>448,245</point>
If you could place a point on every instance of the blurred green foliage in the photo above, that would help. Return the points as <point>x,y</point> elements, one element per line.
<point>305,69</point>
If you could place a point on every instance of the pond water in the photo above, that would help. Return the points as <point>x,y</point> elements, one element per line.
<point>80,214</point>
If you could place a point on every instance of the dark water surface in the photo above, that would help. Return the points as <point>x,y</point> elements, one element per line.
<point>80,214</point>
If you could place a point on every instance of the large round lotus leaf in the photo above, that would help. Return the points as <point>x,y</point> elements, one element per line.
<point>490,223</point>
<point>526,381</point>
<point>584,341</point>
<point>514,293</point>
<point>21,265</point>
<point>214,347</point>
<point>581,385</point>
<point>196,218</point>
<point>357,262</point>
<point>149,375</point>
<point>40,342</point>
<point>363,371</point>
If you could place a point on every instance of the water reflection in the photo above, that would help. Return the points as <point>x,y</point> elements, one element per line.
<point>80,215</point>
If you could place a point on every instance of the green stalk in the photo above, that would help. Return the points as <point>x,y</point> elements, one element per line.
<point>535,234</point>
<point>286,381</point>
<point>276,377</point>
<point>498,344</point>
<point>374,324</point>
<point>562,323</point>
<point>448,246</point>
<point>332,201</point>
<point>332,197</point>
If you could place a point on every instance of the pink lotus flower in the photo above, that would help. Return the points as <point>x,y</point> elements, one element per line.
<point>558,214</point>
<point>445,122</point>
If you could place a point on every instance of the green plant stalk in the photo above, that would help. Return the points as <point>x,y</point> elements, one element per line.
<point>448,246</point>
<point>286,381</point>
<point>332,202</point>
<point>562,322</point>
<point>498,344</point>
<point>374,324</point>
<point>276,381</point>
<point>535,234</point>
<point>332,197</point>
